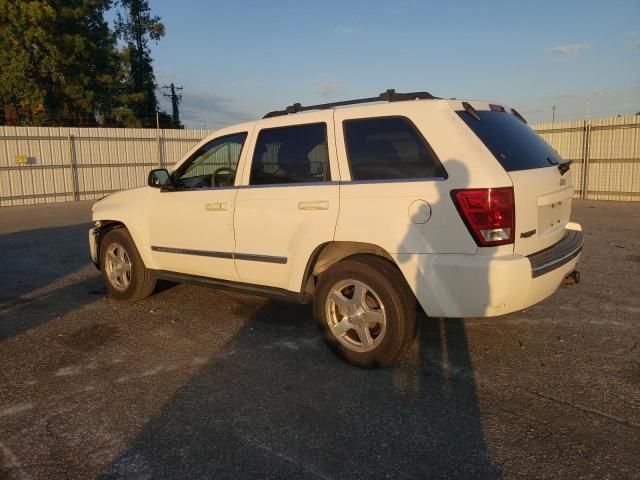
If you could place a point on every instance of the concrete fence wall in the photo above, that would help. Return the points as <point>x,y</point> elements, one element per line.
<point>65,164</point>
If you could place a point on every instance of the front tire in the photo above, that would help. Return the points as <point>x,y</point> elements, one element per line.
<point>366,311</point>
<point>122,268</point>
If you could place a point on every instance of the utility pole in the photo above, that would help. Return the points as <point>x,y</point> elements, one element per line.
<point>176,98</point>
<point>553,114</point>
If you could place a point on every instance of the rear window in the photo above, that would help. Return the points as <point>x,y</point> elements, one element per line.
<point>514,144</point>
<point>388,148</point>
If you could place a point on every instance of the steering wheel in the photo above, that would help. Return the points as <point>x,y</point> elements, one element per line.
<point>214,182</point>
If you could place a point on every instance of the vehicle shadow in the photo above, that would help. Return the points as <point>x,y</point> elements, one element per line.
<point>276,403</point>
<point>45,273</point>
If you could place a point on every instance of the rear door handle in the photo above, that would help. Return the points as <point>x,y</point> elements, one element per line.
<point>216,206</point>
<point>314,205</point>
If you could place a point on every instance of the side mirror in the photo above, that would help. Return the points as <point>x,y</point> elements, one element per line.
<point>159,178</point>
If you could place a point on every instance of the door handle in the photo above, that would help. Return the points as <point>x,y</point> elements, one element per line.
<point>314,205</point>
<point>216,206</point>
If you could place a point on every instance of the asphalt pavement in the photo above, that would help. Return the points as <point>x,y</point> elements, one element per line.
<point>197,383</point>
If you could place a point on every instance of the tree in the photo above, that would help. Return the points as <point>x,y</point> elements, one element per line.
<point>136,26</point>
<point>27,59</point>
<point>58,62</point>
<point>60,65</point>
<point>89,60</point>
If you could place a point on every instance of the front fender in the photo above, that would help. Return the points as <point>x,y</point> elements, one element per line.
<point>131,208</point>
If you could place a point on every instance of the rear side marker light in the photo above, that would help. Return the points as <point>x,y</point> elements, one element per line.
<point>489,214</point>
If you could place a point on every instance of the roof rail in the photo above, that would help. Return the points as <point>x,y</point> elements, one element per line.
<point>388,96</point>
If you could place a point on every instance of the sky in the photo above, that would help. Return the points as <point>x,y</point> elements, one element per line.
<point>238,60</point>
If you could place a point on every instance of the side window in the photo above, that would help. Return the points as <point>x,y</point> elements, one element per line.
<point>293,154</point>
<point>212,165</point>
<point>387,148</point>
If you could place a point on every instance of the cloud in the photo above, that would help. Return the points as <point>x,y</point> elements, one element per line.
<point>347,29</point>
<point>573,105</point>
<point>329,89</point>
<point>569,49</point>
<point>633,39</point>
<point>533,112</point>
<point>201,108</point>
<point>562,96</point>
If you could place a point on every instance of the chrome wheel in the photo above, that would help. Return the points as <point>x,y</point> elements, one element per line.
<point>355,315</point>
<point>118,266</point>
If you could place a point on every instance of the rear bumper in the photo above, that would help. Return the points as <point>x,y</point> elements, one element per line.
<point>557,255</point>
<point>451,285</point>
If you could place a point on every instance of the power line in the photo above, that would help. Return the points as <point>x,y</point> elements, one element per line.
<point>77,118</point>
<point>176,98</point>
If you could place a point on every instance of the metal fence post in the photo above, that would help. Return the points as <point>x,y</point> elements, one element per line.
<point>159,149</point>
<point>585,160</point>
<point>73,168</point>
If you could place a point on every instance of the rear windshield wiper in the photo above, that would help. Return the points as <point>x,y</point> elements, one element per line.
<point>564,167</point>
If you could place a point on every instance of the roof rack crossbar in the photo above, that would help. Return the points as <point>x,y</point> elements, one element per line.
<point>388,96</point>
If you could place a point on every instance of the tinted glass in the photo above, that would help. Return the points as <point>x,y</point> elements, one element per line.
<point>212,165</point>
<point>389,148</point>
<point>293,154</point>
<point>515,145</point>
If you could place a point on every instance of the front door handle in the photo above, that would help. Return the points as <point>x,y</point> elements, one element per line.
<point>314,205</point>
<point>216,206</point>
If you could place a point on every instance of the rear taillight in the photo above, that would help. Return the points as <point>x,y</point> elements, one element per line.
<point>488,213</point>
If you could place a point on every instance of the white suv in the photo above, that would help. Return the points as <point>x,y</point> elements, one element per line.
<point>362,207</point>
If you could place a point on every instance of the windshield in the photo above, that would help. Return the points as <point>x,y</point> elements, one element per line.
<point>515,145</point>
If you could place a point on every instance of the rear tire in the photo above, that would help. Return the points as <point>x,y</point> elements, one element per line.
<point>365,310</point>
<point>122,268</point>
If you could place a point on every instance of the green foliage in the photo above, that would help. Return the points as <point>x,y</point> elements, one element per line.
<point>28,58</point>
<point>55,61</point>
<point>136,26</point>
<point>60,65</point>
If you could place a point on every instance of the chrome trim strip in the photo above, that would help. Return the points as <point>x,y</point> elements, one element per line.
<point>315,184</point>
<point>281,185</point>
<point>393,180</point>
<point>260,258</point>
<point>244,187</point>
<point>228,255</point>
<point>184,251</point>
<point>343,182</point>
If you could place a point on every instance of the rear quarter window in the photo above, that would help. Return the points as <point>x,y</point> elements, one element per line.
<point>515,145</point>
<point>388,148</point>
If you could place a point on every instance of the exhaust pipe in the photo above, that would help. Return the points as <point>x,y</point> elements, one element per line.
<point>572,279</point>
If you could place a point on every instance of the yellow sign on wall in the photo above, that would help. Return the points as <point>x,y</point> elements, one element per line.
<point>22,159</point>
